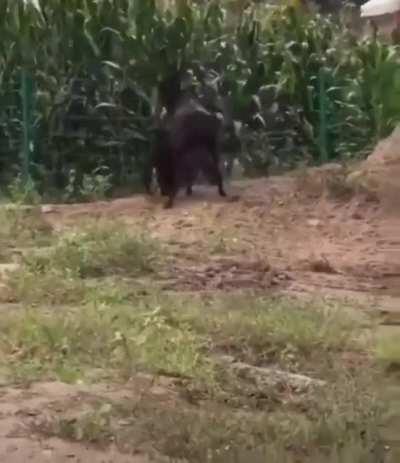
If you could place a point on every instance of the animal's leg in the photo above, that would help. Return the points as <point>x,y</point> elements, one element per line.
<point>147,179</point>
<point>229,167</point>
<point>220,184</point>
<point>171,199</point>
<point>191,178</point>
<point>173,188</point>
<point>215,167</point>
<point>161,184</point>
<point>189,171</point>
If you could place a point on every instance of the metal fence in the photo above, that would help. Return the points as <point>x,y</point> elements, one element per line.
<point>99,125</point>
<point>54,140</point>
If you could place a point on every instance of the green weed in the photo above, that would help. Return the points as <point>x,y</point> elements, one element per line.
<point>97,251</point>
<point>125,339</point>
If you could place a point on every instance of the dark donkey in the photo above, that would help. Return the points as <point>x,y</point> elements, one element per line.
<point>187,143</point>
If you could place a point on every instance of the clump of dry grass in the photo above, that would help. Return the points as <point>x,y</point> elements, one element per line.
<point>98,250</point>
<point>64,272</point>
<point>23,226</point>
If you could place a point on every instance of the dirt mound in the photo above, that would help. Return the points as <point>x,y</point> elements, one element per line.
<point>380,172</point>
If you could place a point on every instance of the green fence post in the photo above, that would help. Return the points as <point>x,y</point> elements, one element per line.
<point>322,136</point>
<point>27,96</point>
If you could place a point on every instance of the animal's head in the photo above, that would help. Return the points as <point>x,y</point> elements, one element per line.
<point>175,86</point>
<point>170,90</point>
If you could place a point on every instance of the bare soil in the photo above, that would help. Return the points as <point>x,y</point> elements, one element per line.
<point>24,411</point>
<point>273,233</point>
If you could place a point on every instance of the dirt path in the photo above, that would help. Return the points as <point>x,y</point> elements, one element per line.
<point>20,408</point>
<point>21,450</point>
<point>314,244</point>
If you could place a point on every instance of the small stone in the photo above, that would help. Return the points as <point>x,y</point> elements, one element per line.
<point>227,358</point>
<point>47,209</point>
<point>47,453</point>
<point>313,222</point>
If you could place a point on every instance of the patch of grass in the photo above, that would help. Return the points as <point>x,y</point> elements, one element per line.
<point>21,191</point>
<point>213,418</point>
<point>98,250</point>
<point>67,344</point>
<point>265,330</point>
<point>222,242</point>
<point>61,288</point>
<point>119,291</point>
<point>23,226</point>
<point>387,351</point>
<point>342,423</point>
<point>173,335</point>
<point>5,255</point>
<point>343,414</point>
<point>93,426</point>
<point>71,271</point>
<point>53,286</point>
<point>354,451</point>
<point>218,245</point>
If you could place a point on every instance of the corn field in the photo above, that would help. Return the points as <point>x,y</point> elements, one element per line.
<point>78,83</point>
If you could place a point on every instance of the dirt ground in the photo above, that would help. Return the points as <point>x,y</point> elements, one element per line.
<point>20,408</point>
<point>272,234</point>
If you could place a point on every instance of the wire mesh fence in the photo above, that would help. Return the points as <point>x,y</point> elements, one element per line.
<point>100,129</point>
<point>84,131</point>
<point>11,126</point>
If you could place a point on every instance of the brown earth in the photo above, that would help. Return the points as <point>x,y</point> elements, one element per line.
<point>24,412</point>
<point>276,232</point>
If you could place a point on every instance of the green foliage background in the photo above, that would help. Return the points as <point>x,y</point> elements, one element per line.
<point>301,87</point>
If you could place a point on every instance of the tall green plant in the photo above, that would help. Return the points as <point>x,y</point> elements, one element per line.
<point>298,82</point>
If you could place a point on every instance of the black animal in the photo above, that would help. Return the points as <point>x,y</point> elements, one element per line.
<point>187,143</point>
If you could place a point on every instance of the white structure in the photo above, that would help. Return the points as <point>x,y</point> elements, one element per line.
<point>379,8</point>
<point>384,13</point>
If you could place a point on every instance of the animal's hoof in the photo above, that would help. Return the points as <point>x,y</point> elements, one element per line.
<point>168,205</point>
<point>222,193</point>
